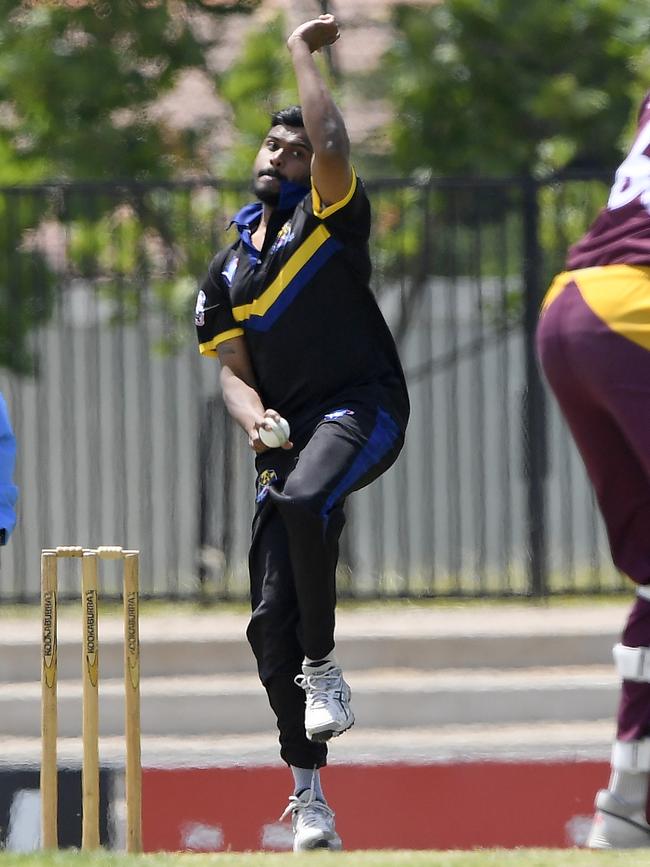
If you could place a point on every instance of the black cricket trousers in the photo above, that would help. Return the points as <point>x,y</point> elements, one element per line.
<point>294,552</point>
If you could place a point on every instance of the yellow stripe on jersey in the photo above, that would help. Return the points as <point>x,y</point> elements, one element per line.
<point>296,261</point>
<point>317,205</point>
<point>617,294</point>
<point>210,348</point>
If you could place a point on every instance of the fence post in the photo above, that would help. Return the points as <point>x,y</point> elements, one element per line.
<point>534,434</point>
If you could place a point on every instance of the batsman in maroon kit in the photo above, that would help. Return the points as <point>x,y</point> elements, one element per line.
<point>593,341</point>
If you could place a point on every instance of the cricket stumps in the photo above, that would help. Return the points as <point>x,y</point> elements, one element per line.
<point>90,697</point>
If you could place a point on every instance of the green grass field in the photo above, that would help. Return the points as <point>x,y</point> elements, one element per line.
<point>482,858</point>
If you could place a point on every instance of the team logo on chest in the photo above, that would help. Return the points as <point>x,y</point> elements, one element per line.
<point>284,237</point>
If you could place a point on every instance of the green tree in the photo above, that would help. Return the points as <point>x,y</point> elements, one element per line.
<point>507,87</point>
<point>501,88</point>
<point>259,82</point>
<point>76,83</point>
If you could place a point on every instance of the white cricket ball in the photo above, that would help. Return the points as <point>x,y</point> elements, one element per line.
<point>277,435</point>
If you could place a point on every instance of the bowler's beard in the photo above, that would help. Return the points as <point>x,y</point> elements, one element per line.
<point>265,195</point>
<point>272,197</point>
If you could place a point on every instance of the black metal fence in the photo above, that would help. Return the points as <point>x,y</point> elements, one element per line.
<point>123,437</point>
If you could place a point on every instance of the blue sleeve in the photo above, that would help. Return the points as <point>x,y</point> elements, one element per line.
<point>8,491</point>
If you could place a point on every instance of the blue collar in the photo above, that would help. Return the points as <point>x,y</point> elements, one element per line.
<point>247,219</point>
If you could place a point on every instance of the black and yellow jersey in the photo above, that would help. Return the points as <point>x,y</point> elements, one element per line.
<point>314,331</point>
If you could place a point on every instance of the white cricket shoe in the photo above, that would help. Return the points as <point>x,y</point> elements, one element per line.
<point>313,823</point>
<point>618,824</point>
<point>327,709</point>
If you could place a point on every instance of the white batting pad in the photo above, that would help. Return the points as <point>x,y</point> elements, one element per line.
<point>631,756</point>
<point>632,663</point>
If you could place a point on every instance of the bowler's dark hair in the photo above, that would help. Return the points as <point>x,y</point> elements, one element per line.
<point>290,116</point>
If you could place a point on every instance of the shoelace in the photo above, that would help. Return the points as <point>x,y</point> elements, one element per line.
<point>319,685</point>
<point>296,804</point>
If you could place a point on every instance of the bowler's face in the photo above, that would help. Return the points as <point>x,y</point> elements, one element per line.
<point>285,154</point>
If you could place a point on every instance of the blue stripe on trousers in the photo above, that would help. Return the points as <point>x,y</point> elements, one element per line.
<point>383,437</point>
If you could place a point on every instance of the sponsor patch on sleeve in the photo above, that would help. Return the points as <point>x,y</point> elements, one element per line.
<point>199,310</point>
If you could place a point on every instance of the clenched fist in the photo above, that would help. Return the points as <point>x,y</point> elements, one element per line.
<point>317,33</point>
